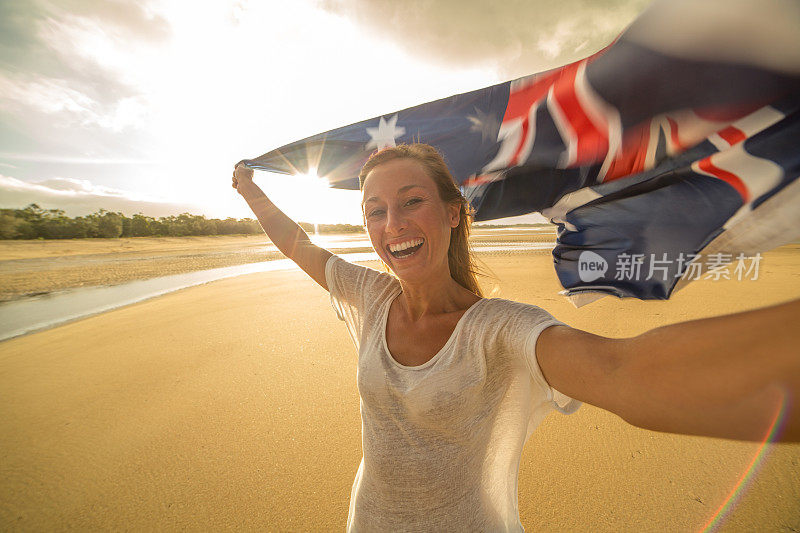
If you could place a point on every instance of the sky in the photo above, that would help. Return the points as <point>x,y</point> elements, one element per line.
<point>145,107</point>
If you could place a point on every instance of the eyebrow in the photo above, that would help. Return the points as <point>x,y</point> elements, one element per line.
<point>400,190</point>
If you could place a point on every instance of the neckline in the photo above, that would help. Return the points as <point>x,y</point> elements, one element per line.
<point>436,356</point>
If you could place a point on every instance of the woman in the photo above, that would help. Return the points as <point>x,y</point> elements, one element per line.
<point>452,384</point>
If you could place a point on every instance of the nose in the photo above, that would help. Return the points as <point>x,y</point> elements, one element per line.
<point>395,221</point>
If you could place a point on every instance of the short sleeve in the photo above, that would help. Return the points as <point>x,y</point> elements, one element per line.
<point>561,402</point>
<point>522,324</point>
<point>354,291</point>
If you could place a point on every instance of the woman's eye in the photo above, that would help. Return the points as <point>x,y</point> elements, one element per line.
<point>412,201</point>
<point>375,212</point>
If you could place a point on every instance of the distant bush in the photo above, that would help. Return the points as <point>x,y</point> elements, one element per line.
<point>331,228</point>
<point>8,226</point>
<point>33,222</point>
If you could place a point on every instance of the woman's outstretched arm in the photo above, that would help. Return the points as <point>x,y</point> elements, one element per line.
<point>284,232</point>
<point>731,376</point>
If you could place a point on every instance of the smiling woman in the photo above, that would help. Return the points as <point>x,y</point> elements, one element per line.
<point>452,384</point>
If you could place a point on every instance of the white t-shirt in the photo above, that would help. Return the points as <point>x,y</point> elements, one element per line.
<point>442,441</point>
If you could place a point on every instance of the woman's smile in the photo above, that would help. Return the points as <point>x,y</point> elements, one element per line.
<point>405,248</point>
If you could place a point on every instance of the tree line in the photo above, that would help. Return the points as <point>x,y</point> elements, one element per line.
<point>33,222</point>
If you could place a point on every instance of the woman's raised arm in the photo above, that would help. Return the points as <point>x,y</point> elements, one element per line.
<point>284,232</point>
<point>733,376</point>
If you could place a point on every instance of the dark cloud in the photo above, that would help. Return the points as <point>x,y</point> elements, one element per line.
<point>517,37</point>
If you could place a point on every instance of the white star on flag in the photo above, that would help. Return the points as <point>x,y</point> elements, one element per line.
<point>385,134</point>
<point>484,123</point>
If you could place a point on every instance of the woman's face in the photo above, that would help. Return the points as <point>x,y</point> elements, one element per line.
<point>408,224</point>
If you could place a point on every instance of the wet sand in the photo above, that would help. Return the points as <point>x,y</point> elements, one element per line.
<point>233,405</point>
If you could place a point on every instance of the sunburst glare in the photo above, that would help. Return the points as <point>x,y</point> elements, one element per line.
<point>307,197</point>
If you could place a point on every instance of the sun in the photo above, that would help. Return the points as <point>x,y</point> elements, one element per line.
<point>308,197</point>
<point>312,179</point>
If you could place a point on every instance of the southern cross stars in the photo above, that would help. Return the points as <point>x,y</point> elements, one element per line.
<point>385,134</point>
<point>484,123</point>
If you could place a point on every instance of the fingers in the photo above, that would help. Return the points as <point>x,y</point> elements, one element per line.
<point>241,174</point>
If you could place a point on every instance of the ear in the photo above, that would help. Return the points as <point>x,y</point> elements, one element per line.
<point>453,211</point>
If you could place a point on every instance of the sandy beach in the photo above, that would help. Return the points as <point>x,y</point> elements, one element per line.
<point>233,405</point>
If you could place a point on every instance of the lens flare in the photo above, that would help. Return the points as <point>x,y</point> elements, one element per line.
<point>751,469</point>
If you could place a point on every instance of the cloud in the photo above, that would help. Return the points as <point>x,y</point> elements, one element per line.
<point>73,43</point>
<point>80,197</point>
<point>517,37</point>
<point>71,107</point>
<point>29,32</point>
<point>67,80</point>
<point>48,158</point>
<point>128,19</point>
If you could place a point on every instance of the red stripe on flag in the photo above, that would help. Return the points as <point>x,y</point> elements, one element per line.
<point>590,141</point>
<point>526,94</point>
<point>730,178</point>
<point>474,181</point>
<point>520,100</point>
<point>523,139</point>
<point>673,135</point>
<point>732,135</point>
<point>632,154</point>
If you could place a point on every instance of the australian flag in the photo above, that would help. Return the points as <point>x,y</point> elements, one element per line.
<point>668,151</point>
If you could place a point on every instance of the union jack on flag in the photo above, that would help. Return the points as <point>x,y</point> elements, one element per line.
<point>641,150</point>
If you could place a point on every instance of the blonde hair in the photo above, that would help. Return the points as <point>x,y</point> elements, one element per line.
<point>459,257</point>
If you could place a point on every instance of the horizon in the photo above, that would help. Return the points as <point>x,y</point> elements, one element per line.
<point>516,221</point>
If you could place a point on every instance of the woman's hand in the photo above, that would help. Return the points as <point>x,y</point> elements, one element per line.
<point>242,178</point>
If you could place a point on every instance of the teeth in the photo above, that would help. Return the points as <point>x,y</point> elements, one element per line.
<point>404,245</point>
